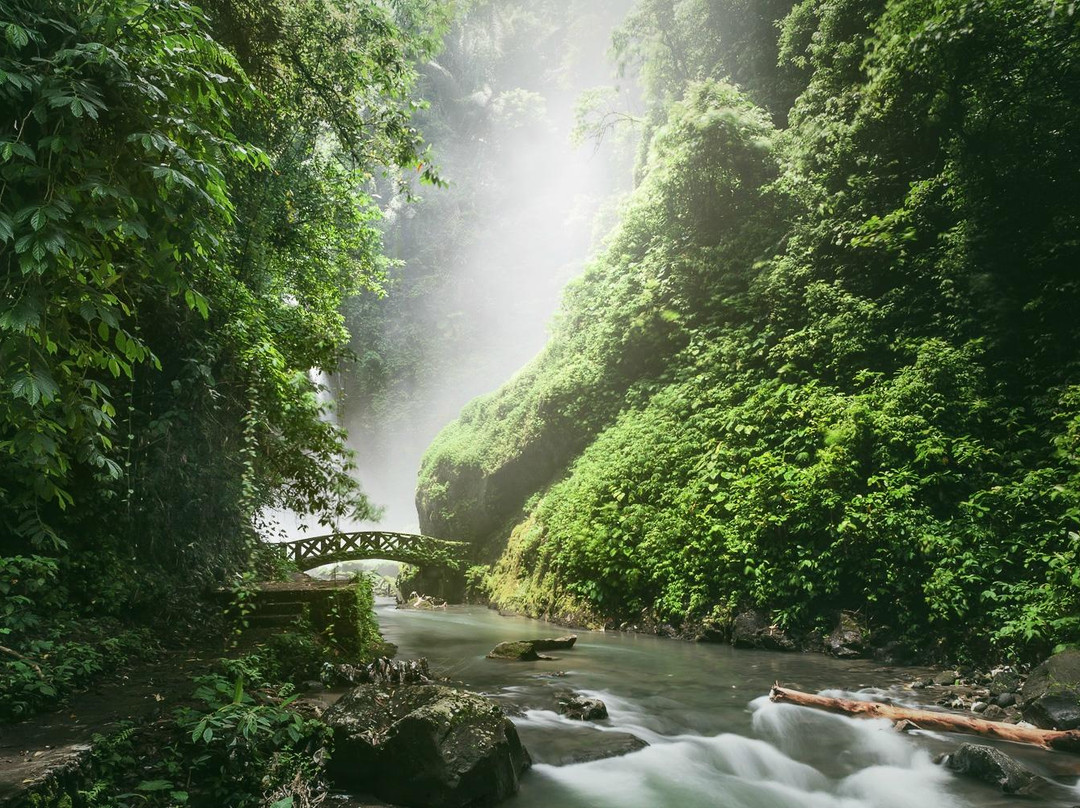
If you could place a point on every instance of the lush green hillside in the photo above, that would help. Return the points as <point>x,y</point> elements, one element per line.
<point>831,366</point>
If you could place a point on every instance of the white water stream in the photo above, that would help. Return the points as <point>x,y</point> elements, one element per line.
<point>714,738</point>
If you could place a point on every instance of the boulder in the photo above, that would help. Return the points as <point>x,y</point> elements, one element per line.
<point>521,651</point>
<point>991,766</point>
<point>582,708</point>
<point>424,746</point>
<point>745,629</point>
<point>1051,696</point>
<point>751,630</point>
<point>848,639</point>
<point>582,747</point>
<point>1005,699</point>
<point>1004,681</point>
<point>554,643</point>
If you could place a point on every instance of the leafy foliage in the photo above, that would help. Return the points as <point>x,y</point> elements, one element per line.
<point>849,379</point>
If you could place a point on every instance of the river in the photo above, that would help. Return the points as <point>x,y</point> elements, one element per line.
<point>714,738</point>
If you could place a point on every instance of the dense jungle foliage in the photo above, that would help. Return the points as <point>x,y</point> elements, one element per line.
<point>186,198</point>
<point>830,359</point>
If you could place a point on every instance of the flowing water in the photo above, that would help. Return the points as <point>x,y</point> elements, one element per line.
<point>714,738</point>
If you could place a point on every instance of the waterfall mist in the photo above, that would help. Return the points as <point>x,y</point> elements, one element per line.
<point>482,262</point>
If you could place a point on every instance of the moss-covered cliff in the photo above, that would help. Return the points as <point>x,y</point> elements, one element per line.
<point>834,366</point>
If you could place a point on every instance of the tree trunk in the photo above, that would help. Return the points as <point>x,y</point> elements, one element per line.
<point>1066,741</point>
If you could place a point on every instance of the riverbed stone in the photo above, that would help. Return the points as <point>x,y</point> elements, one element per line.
<point>582,708</point>
<point>1051,696</point>
<point>1005,699</point>
<point>1004,681</point>
<point>946,677</point>
<point>582,747</point>
<point>424,746</point>
<point>991,766</point>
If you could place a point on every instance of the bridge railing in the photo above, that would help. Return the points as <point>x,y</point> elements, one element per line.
<point>410,548</point>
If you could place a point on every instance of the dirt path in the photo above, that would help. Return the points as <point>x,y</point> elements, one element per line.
<point>51,747</point>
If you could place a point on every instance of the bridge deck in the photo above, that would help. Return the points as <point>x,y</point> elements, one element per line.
<point>410,548</point>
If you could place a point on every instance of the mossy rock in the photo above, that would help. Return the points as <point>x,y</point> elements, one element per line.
<point>1051,695</point>
<point>425,746</point>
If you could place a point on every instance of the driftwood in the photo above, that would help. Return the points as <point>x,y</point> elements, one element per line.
<point>1061,740</point>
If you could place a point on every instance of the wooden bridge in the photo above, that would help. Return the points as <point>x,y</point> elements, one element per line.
<point>408,548</point>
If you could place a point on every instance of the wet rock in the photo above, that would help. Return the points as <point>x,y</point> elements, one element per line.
<point>751,630</point>
<point>1003,681</point>
<point>991,766</point>
<point>582,747</point>
<point>1005,699</point>
<point>893,653</point>
<point>424,746</point>
<point>745,629</point>
<point>712,629</point>
<point>993,713</point>
<point>946,677</point>
<point>384,670</point>
<point>1051,696</point>
<point>582,708</point>
<point>848,639</point>
<point>522,651</point>
<point>979,707</point>
<point>554,643</point>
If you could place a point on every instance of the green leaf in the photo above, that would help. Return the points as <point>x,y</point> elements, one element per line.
<point>16,35</point>
<point>154,785</point>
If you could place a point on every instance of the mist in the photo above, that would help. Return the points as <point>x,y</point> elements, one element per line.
<point>483,261</point>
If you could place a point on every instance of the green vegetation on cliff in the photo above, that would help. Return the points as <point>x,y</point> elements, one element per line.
<point>828,366</point>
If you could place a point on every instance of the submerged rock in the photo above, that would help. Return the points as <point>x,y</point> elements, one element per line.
<point>582,747</point>
<point>582,708</point>
<point>1051,696</point>
<point>425,746</point>
<point>991,766</point>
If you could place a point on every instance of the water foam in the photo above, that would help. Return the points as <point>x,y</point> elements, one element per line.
<point>875,767</point>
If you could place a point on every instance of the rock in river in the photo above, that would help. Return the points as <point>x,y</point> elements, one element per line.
<point>582,708</point>
<point>520,651</point>
<point>1051,696</point>
<point>554,643</point>
<point>527,650</point>
<point>991,766</point>
<point>425,746</point>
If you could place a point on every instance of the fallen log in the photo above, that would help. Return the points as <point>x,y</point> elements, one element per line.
<point>1060,740</point>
